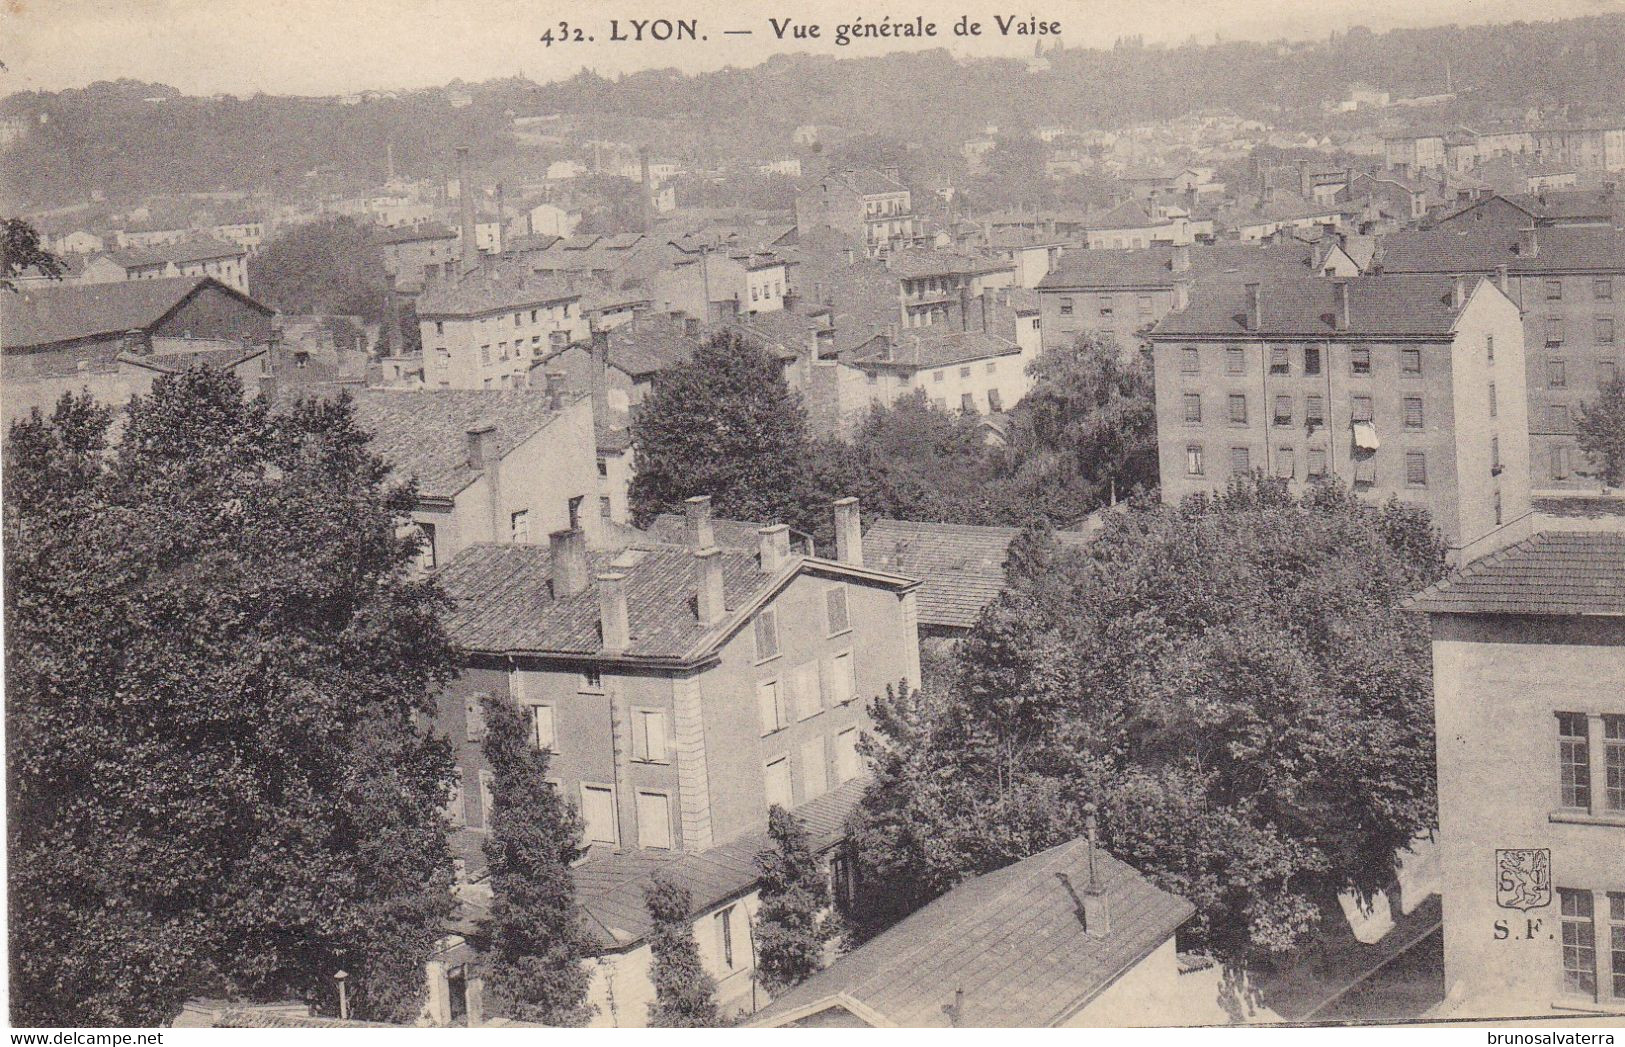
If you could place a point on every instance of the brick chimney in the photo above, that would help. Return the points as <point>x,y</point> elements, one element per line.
<point>465,196</point>
<point>485,454</point>
<point>1182,295</point>
<point>1254,307</point>
<point>598,355</point>
<point>848,532</point>
<point>1458,291</point>
<point>709,603</point>
<point>612,619</point>
<point>1181,262</point>
<point>1501,280</point>
<point>1097,917</point>
<point>567,554</point>
<point>1528,242</point>
<point>1342,316</point>
<point>697,516</point>
<point>557,385</point>
<point>1304,186</point>
<point>774,547</point>
<point>964,307</point>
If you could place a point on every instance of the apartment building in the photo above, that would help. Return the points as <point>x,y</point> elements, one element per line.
<point>415,255</point>
<point>1529,696</point>
<point>873,208</point>
<point>932,286</point>
<point>1568,282</point>
<point>1406,387</point>
<point>487,329</point>
<point>201,256</point>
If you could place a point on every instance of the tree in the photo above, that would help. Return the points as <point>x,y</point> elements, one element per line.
<point>1601,425</point>
<point>723,424</point>
<point>685,995</point>
<point>20,251</point>
<point>331,266</point>
<point>790,925</point>
<point>220,683</point>
<point>1232,682</point>
<point>537,945</point>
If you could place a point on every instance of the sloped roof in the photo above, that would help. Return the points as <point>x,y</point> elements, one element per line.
<point>922,347</point>
<point>1012,940</point>
<point>960,566</point>
<point>867,181</point>
<point>1459,247</point>
<point>423,433</point>
<point>915,265</point>
<point>505,602</point>
<point>486,292</point>
<point>223,358</point>
<point>609,890</point>
<point>1153,266</point>
<point>1554,572</point>
<point>46,314</point>
<point>741,535</point>
<point>406,234</point>
<point>197,249</point>
<point>1388,306</point>
<point>1126,215</point>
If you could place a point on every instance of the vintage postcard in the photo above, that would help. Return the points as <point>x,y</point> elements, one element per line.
<point>817,515</point>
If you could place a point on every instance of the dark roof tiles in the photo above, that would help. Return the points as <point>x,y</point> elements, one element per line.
<point>1552,573</point>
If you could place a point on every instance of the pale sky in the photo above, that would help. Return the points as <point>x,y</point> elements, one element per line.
<point>338,46</point>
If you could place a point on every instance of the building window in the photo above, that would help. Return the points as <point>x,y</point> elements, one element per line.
<point>1359,360</point>
<point>1557,374</point>
<point>487,798</point>
<point>1489,348</point>
<point>1496,501</point>
<point>1238,408</point>
<point>1416,469</point>
<point>1607,373</point>
<point>767,634</point>
<point>426,552</point>
<point>1410,361</point>
<point>1554,290</point>
<point>847,764</point>
<point>936,376</point>
<point>1573,761</point>
<point>1106,306</point>
<point>995,402</point>
<point>725,937</point>
<point>1314,412</point>
<point>542,730</point>
<point>1579,943</point>
<point>1241,461</point>
<point>835,610</point>
<point>1283,410</point>
<point>649,736</point>
<point>439,327</point>
<point>1554,331</point>
<point>770,706</point>
<point>519,525</point>
<point>1317,461</point>
<point>1492,400</point>
<point>591,682</point>
<point>1413,412</point>
<point>1193,460</point>
<point>1605,330</point>
<point>1495,456</point>
<point>1144,304</point>
<point>1613,745</point>
<point>654,821</point>
<point>842,681</point>
<point>606,507</point>
<point>814,775</point>
<point>1360,409</point>
<point>1066,307</point>
<point>967,403</point>
<point>777,781</point>
<point>1286,463</point>
<point>1190,360</point>
<point>1602,289</point>
<point>964,372</point>
<point>1616,936</point>
<point>992,367</point>
<point>598,814</point>
<point>1235,361</point>
<point>1278,360</point>
<point>1193,407</point>
<point>1557,418</point>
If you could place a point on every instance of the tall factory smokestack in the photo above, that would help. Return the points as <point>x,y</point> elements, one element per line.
<point>648,190</point>
<point>465,195</point>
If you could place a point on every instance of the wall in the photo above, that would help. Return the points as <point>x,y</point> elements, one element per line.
<point>1498,681</point>
<point>1130,311</point>
<point>492,351</point>
<point>213,313</point>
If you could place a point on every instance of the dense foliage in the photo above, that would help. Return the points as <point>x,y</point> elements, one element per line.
<point>685,995</point>
<point>1231,680</point>
<point>219,680</point>
<point>330,266</point>
<point>535,943</point>
<point>791,927</point>
<point>1601,425</point>
<point>20,251</point>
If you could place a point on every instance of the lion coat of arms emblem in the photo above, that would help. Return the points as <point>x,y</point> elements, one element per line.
<point>1523,878</point>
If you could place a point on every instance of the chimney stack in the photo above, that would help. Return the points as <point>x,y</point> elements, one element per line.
<point>848,532</point>
<point>1097,921</point>
<point>556,387</point>
<point>1182,258</point>
<point>774,546</point>
<point>465,196</point>
<point>1182,295</point>
<point>697,515</point>
<point>709,603</point>
<point>964,307</point>
<point>598,354</point>
<point>1343,316</point>
<point>1254,307</point>
<point>482,443</point>
<point>612,620</point>
<point>1458,291</point>
<point>1501,280</point>
<point>1528,242</point>
<point>567,555</point>
<point>485,454</point>
<point>987,304</point>
<point>1304,188</point>
<point>646,211</point>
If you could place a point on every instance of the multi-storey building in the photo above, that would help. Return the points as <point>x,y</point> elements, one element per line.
<point>487,329</point>
<point>1406,387</point>
<point>932,286</point>
<point>415,255</point>
<point>1568,281</point>
<point>871,207</point>
<point>203,256</point>
<point>1529,697</point>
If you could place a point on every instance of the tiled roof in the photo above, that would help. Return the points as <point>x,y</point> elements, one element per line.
<point>960,567</point>
<point>609,890</point>
<point>1379,306</point>
<point>740,535</point>
<point>922,347</point>
<point>198,249</point>
<point>1153,266</point>
<point>650,345</point>
<point>1013,941</point>
<point>423,433</point>
<point>1126,215</point>
<point>869,182</point>
<point>483,292</point>
<point>1465,248</point>
<point>406,234</point>
<point>49,313</point>
<point>223,358</point>
<point>915,265</point>
<point>1554,572</point>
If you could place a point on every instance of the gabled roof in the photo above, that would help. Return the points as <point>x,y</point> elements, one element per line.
<point>1126,215</point>
<point>505,603</point>
<point>740,535</point>
<point>485,292</point>
<point>222,359</point>
<point>1379,306</point>
<point>47,314</point>
<point>1459,248</point>
<point>960,567</point>
<point>423,433</point>
<point>917,348</point>
<point>915,265</point>
<point>406,234</point>
<point>1013,941</point>
<point>1553,573</point>
<point>866,181</point>
<point>1153,266</point>
<point>197,249</point>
